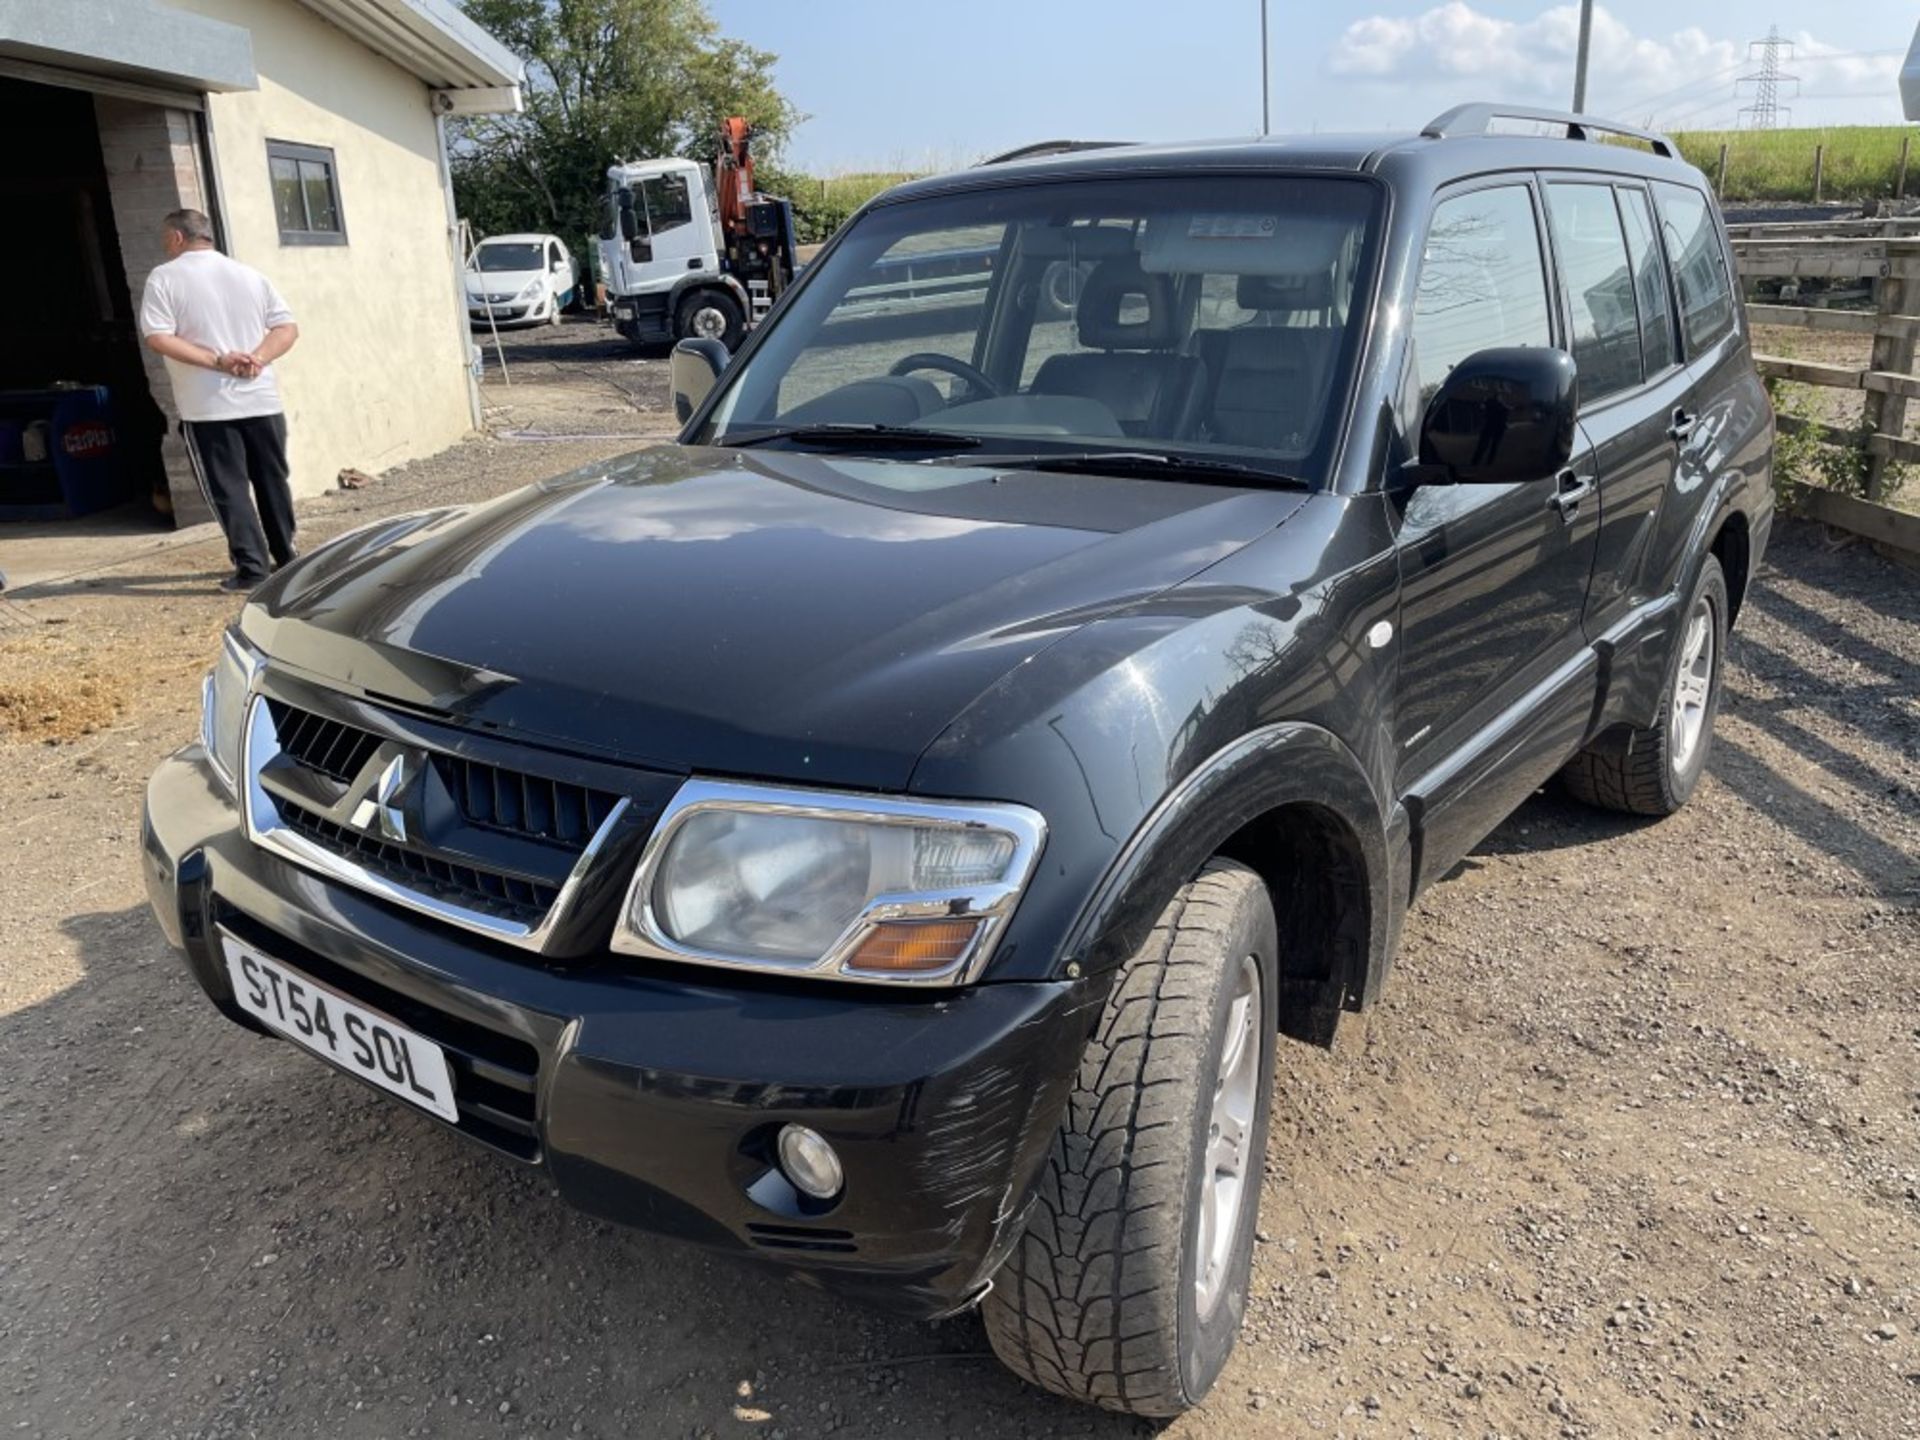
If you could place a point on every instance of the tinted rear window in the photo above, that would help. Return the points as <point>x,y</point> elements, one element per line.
<point>1593,264</point>
<point>1649,283</point>
<point>1699,265</point>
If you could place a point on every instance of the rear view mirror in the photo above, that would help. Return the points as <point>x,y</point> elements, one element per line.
<point>629,226</point>
<point>1501,416</point>
<point>695,366</point>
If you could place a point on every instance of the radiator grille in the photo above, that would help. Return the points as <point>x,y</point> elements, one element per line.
<point>522,804</point>
<point>336,750</point>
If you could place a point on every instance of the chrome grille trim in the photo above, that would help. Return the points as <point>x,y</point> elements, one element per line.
<point>267,830</point>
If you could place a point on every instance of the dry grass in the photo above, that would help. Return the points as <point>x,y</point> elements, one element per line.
<point>52,691</point>
<point>60,682</point>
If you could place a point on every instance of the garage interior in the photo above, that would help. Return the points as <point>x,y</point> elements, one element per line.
<point>80,433</point>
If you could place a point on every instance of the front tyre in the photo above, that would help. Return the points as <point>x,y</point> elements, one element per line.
<point>1129,1285</point>
<point>1654,771</point>
<point>710,315</point>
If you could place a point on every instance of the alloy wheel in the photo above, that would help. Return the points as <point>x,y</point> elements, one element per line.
<point>1692,687</point>
<point>1224,1182</point>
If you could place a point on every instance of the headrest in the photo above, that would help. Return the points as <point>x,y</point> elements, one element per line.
<point>1104,294</point>
<point>1286,292</point>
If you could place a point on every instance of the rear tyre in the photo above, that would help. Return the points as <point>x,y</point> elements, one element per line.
<point>1655,771</point>
<point>710,315</point>
<point>1129,1285</point>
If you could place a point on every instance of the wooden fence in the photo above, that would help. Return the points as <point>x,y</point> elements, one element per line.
<point>1883,257</point>
<point>1817,160</point>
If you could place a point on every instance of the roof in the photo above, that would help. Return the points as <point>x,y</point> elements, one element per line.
<point>658,166</point>
<point>526,237</point>
<point>1460,141</point>
<point>429,39</point>
<point>129,41</point>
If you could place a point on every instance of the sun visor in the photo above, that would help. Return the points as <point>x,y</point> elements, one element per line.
<point>1242,242</point>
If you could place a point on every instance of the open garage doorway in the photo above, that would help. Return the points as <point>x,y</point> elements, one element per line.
<point>80,432</point>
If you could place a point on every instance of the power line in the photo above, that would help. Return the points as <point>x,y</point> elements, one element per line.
<point>1766,111</point>
<point>1666,99</point>
<point>1673,109</point>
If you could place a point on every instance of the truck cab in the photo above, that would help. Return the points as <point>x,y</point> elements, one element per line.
<point>671,272</point>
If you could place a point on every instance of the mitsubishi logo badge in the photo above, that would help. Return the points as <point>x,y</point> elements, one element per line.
<point>382,806</point>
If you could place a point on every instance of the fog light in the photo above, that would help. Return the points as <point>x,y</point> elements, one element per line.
<point>809,1162</point>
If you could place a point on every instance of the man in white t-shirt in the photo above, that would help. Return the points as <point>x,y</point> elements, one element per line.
<point>220,326</point>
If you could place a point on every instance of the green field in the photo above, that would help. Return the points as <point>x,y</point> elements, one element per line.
<point>1859,161</point>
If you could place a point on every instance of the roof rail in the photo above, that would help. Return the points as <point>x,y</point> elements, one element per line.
<point>1477,118</point>
<point>1051,147</point>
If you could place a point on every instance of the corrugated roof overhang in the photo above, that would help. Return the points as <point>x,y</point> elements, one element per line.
<point>430,39</point>
<point>135,42</point>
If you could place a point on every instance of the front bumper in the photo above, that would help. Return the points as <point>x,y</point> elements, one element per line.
<point>477,314</point>
<point>651,1093</point>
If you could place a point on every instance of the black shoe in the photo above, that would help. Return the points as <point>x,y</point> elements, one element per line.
<point>242,584</point>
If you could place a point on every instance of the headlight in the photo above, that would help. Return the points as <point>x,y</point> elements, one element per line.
<point>532,292</point>
<point>851,887</point>
<point>223,704</point>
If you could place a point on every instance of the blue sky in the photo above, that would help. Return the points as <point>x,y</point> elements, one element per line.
<point>911,85</point>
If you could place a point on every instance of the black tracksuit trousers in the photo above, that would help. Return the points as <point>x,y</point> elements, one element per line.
<point>241,463</point>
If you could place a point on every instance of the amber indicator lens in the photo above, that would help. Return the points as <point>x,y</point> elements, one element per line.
<point>907,946</point>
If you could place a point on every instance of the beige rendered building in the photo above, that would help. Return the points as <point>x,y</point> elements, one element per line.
<point>313,131</point>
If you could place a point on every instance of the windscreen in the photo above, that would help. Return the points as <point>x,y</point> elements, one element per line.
<point>1191,315</point>
<point>511,256</point>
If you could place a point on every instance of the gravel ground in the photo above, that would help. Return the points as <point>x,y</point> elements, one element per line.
<point>1629,1149</point>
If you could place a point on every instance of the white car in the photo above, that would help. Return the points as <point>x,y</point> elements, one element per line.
<point>519,280</point>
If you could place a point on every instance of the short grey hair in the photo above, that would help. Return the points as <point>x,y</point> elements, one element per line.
<point>189,224</point>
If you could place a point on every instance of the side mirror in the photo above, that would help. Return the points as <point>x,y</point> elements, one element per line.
<point>629,226</point>
<point>1501,416</point>
<point>695,365</point>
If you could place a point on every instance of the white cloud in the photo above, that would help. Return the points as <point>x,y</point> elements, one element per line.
<point>1533,59</point>
<point>1824,68</point>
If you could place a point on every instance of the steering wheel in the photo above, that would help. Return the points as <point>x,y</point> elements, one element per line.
<point>977,382</point>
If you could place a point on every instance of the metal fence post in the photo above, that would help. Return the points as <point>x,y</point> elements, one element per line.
<point>1819,166</point>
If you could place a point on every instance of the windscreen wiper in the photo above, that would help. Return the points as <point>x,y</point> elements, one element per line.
<point>861,437</point>
<point>1153,465</point>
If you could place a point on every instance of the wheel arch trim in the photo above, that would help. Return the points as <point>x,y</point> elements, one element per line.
<point>706,280</point>
<point>1290,763</point>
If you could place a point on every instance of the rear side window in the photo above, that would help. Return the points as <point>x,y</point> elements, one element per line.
<point>1482,283</point>
<point>1593,262</point>
<point>1699,265</point>
<point>1649,283</point>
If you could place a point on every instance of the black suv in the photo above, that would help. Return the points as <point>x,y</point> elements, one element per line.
<point>889,831</point>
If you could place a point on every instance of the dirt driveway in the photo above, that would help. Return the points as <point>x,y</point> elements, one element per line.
<point>1631,1148</point>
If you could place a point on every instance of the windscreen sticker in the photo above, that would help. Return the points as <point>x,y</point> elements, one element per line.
<point>1219,226</point>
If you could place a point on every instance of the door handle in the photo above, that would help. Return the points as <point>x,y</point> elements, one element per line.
<point>1569,490</point>
<point>1682,425</point>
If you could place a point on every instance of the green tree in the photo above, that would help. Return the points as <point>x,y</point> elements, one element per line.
<point>607,80</point>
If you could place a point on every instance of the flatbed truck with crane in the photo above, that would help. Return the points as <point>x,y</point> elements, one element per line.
<point>689,250</point>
